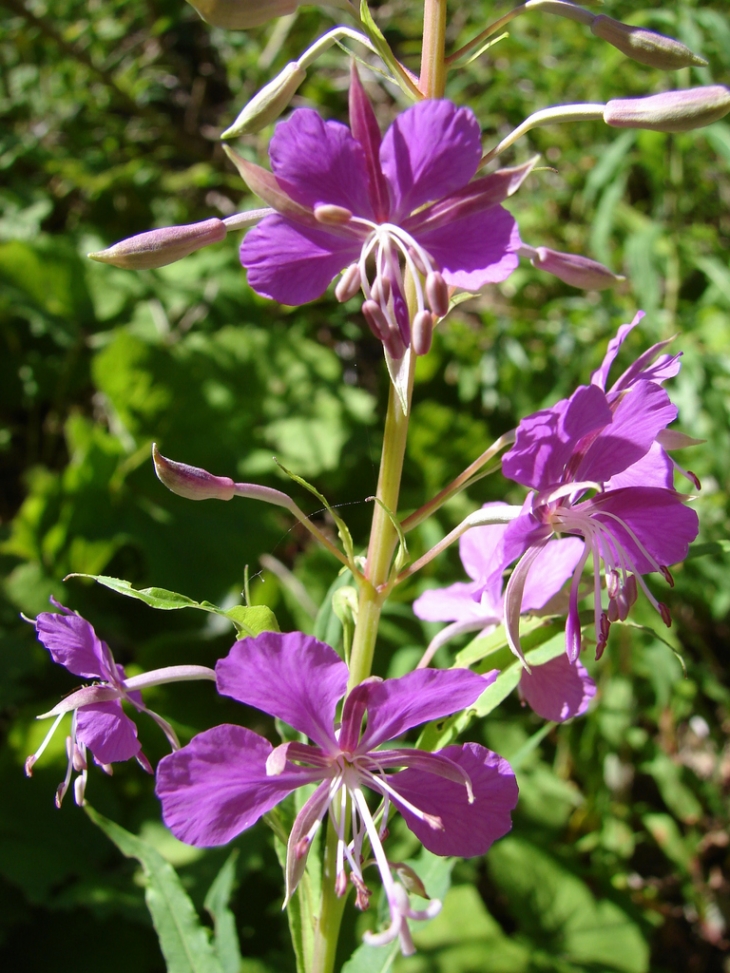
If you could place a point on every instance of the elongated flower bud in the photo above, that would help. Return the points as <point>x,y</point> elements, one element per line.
<point>190,481</point>
<point>242,14</point>
<point>158,248</point>
<point>645,46</point>
<point>265,107</point>
<point>672,111</point>
<point>575,270</point>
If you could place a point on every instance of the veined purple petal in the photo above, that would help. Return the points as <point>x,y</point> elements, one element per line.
<point>469,829</point>
<point>547,440</point>
<point>663,524</point>
<point>558,690</point>
<point>107,731</point>
<point>217,786</point>
<point>293,677</point>
<point>600,376</point>
<point>646,369</point>
<point>396,705</point>
<point>654,469</point>
<point>457,601</point>
<point>294,264</point>
<point>475,250</point>
<point>74,644</point>
<point>297,848</point>
<point>551,569</point>
<point>430,150</point>
<point>642,412</point>
<point>318,162</point>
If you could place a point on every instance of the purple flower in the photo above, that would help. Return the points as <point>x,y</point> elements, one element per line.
<point>456,801</point>
<point>557,690</point>
<point>99,722</point>
<point>347,199</point>
<point>635,523</point>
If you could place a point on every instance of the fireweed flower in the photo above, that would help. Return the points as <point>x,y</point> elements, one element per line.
<point>456,801</point>
<point>99,723</point>
<point>349,200</point>
<point>557,690</point>
<point>635,522</point>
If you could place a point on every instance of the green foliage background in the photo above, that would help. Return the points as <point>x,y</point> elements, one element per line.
<point>618,858</point>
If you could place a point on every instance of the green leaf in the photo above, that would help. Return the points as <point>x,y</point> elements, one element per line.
<point>248,621</point>
<point>402,556</point>
<point>216,903</point>
<point>183,940</point>
<point>559,915</point>
<point>383,49</point>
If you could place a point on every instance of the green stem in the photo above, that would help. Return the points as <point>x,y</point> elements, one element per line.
<point>433,63</point>
<point>327,931</point>
<point>383,537</point>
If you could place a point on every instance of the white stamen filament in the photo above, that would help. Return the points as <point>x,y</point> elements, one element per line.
<point>46,740</point>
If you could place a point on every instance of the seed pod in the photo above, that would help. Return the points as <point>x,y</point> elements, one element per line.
<point>645,46</point>
<point>266,106</point>
<point>672,111</point>
<point>422,332</point>
<point>158,248</point>
<point>190,481</point>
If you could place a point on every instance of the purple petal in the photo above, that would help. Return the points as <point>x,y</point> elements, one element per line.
<point>293,677</point>
<point>318,162</point>
<point>74,644</point>
<point>430,150</point>
<point>396,705</point>
<point>294,264</point>
<point>659,519</point>
<point>665,367</point>
<point>558,690</point>
<point>458,601</point>
<point>654,469</point>
<point>476,250</point>
<point>547,439</point>
<point>469,829</point>
<point>551,569</point>
<point>217,786</point>
<point>642,412</point>
<point>478,547</point>
<point>107,731</point>
<point>600,376</point>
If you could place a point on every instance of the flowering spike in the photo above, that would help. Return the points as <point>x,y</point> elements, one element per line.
<point>266,106</point>
<point>646,46</point>
<point>671,111</point>
<point>190,481</point>
<point>158,248</point>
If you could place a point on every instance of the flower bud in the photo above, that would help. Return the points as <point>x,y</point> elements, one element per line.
<point>241,14</point>
<point>645,46</point>
<point>577,271</point>
<point>422,332</point>
<point>672,111</point>
<point>158,248</point>
<point>265,107</point>
<point>190,481</point>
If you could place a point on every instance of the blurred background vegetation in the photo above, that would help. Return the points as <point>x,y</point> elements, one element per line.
<point>112,108</point>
